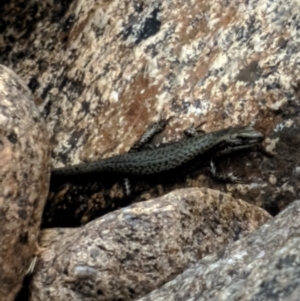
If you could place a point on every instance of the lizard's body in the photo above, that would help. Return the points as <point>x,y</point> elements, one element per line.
<point>170,156</point>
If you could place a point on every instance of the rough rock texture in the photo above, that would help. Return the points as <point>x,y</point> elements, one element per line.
<point>103,71</point>
<point>265,265</point>
<point>24,180</point>
<point>129,252</point>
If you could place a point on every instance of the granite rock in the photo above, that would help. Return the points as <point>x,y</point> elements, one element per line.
<point>128,253</point>
<point>24,180</point>
<point>101,72</point>
<point>264,265</point>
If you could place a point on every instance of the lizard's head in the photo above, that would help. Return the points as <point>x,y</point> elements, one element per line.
<point>243,136</point>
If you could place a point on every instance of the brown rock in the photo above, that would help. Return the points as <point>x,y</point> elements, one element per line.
<point>24,177</point>
<point>265,265</point>
<point>103,72</point>
<point>129,252</point>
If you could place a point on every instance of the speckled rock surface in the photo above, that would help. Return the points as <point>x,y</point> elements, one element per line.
<point>103,71</point>
<point>24,180</point>
<point>129,252</point>
<point>264,265</point>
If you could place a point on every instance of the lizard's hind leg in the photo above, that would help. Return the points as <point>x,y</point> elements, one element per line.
<point>227,178</point>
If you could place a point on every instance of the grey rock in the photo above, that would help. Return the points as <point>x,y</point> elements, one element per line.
<point>265,265</point>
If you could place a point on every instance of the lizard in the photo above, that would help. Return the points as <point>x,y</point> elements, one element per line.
<point>165,157</point>
<point>169,156</point>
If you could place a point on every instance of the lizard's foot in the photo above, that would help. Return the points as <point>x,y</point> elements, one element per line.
<point>193,131</point>
<point>228,178</point>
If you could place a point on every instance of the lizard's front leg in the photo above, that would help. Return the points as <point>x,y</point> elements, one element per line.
<point>193,131</point>
<point>152,130</point>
